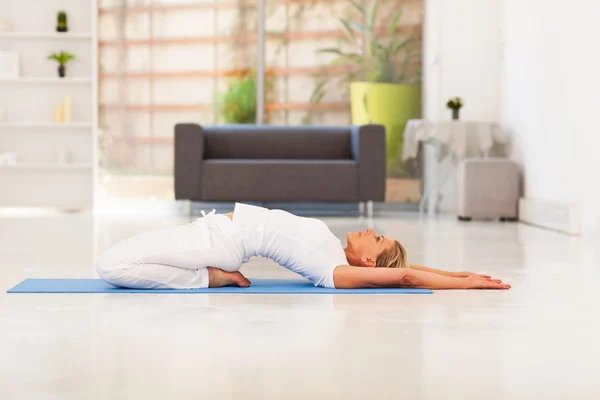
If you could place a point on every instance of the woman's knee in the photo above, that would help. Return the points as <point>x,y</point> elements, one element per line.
<point>110,270</point>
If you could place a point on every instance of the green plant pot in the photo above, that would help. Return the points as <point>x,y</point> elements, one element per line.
<point>456,114</point>
<point>390,105</point>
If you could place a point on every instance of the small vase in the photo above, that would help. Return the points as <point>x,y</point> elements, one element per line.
<point>62,28</point>
<point>455,113</point>
<point>61,71</point>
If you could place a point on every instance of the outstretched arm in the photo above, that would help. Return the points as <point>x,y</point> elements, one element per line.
<point>348,277</point>
<point>464,274</point>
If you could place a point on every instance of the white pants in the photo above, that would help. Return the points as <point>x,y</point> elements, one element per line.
<point>171,258</point>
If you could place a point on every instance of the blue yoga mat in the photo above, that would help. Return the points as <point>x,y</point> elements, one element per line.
<point>259,286</point>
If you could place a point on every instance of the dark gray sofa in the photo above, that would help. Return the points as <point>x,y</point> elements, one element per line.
<point>280,163</point>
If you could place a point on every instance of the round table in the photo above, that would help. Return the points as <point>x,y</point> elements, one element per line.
<point>454,139</point>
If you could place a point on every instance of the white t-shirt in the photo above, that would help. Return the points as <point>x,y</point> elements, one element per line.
<point>303,245</point>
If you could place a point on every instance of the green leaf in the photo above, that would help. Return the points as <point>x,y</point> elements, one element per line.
<point>395,46</point>
<point>331,50</point>
<point>372,17</point>
<point>358,7</point>
<point>62,58</point>
<point>349,58</point>
<point>348,27</point>
<point>343,58</point>
<point>318,95</point>
<point>394,23</point>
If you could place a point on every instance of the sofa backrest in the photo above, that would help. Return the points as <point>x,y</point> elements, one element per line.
<point>277,142</point>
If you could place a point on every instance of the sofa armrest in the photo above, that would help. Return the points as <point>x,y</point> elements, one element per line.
<point>369,151</point>
<point>189,154</point>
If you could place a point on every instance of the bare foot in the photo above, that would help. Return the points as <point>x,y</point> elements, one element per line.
<point>219,278</point>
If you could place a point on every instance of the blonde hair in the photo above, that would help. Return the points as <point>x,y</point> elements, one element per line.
<point>394,258</point>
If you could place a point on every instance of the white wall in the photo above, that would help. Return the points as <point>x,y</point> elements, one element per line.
<point>550,100</point>
<point>461,57</point>
<point>533,65</point>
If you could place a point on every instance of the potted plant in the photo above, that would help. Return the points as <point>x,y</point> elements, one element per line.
<point>384,86</point>
<point>238,104</point>
<point>455,104</point>
<point>61,25</point>
<point>62,58</point>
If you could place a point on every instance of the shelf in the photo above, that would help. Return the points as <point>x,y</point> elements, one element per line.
<point>38,81</point>
<point>44,35</point>
<point>46,166</point>
<point>46,125</point>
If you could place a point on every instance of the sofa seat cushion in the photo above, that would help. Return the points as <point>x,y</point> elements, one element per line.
<point>279,180</point>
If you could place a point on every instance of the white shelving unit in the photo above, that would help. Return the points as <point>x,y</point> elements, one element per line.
<point>37,81</point>
<point>39,179</point>
<point>47,166</point>
<point>44,35</point>
<point>45,125</point>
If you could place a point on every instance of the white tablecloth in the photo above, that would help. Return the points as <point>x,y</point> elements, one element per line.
<point>459,138</point>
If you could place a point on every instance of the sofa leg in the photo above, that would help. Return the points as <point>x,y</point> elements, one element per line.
<point>190,209</point>
<point>369,209</point>
<point>361,208</point>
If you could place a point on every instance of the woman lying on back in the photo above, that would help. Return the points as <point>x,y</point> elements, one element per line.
<point>210,251</point>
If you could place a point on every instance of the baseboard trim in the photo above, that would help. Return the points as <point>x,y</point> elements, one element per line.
<point>310,209</point>
<point>553,215</point>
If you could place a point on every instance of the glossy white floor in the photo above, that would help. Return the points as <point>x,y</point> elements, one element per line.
<point>536,341</point>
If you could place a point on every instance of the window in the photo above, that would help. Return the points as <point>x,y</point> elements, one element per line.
<point>164,62</point>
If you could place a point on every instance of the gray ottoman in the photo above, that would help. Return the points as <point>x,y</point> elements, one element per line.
<point>487,188</point>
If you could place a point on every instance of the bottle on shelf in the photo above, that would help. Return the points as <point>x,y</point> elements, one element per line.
<point>58,114</point>
<point>9,158</point>
<point>5,26</point>
<point>62,156</point>
<point>68,110</point>
<point>10,66</point>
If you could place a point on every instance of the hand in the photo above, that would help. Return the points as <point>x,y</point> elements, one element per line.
<point>476,281</point>
<point>467,274</point>
<point>482,276</point>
